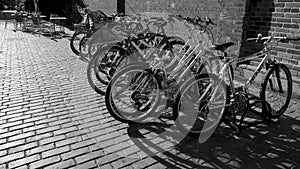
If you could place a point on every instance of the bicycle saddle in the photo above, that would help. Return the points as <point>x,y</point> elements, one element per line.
<point>221,47</point>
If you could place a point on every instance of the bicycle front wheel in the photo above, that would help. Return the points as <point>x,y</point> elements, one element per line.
<point>75,41</point>
<point>200,105</point>
<point>132,94</point>
<point>277,89</point>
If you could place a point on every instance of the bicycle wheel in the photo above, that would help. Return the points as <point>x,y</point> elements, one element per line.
<point>97,79</point>
<point>108,62</point>
<point>94,82</point>
<point>200,105</point>
<point>83,48</point>
<point>132,94</point>
<point>277,89</point>
<point>75,41</point>
<point>210,35</point>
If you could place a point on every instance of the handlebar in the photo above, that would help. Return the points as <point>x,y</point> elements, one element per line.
<point>267,39</point>
<point>196,20</point>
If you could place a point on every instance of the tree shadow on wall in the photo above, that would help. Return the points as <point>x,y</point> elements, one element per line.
<point>257,19</point>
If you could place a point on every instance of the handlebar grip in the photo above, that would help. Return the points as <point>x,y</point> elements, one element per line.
<point>209,21</point>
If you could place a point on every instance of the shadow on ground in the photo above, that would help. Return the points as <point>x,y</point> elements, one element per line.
<point>272,146</point>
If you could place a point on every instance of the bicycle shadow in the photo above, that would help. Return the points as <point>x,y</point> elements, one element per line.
<point>262,146</point>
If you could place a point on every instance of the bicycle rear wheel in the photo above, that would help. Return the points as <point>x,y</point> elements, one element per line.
<point>200,105</point>
<point>277,89</point>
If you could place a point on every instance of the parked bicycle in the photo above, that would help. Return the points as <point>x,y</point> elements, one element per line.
<point>92,21</point>
<point>219,101</point>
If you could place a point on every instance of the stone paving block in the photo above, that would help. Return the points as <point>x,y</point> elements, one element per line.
<point>100,127</point>
<point>10,134</point>
<point>123,162</point>
<point>22,117</point>
<point>59,122</point>
<point>55,151</point>
<point>130,150</point>
<point>90,164</point>
<point>116,147</point>
<point>75,153</point>
<point>57,115</point>
<point>101,145</point>
<point>76,133</point>
<point>93,134</point>
<point>23,147</point>
<point>49,128</point>
<point>107,159</point>
<point>3,153</point>
<point>11,109</point>
<point>65,130</point>
<point>68,141</point>
<point>35,127</point>
<point>40,149</point>
<point>35,119</point>
<point>21,136</point>
<point>33,112</point>
<point>11,157</point>
<point>44,162</point>
<point>12,144</point>
<point>106,166</point>
<point>24,161</point>
<point>52,139</point>
<point>61,165</point>
<point>83,143</point>
<point>88,125</point>
<point>16,112</point>
<point>24,125</point>
<point>107,136</point>
<point>10,124</point>
<point>90,156</point>
<point>2,166</point>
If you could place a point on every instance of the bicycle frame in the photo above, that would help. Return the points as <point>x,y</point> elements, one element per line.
<point>264,54</point>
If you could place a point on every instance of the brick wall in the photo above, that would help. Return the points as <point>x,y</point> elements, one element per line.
<point>236,20</point>
<point>228,14</point>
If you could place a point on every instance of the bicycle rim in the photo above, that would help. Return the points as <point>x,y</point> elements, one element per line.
<point>75,41</point>
<point>209,109</point>
<point>127,85</point>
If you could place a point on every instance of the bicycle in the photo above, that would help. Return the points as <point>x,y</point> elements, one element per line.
<point>236,103</point>
<point>102,67</point>
<point>84,31</point>
<point>143,91</point>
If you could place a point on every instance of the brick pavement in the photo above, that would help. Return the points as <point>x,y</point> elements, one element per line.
<point>51,118</point>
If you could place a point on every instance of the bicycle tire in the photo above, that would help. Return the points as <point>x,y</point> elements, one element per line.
<point>100,72</point>
<point>110,104</point>
<point>92,80</point>
<point>210,35</point>
<point>192,124</point>
<point>277,68</point>
<point>73,38</point>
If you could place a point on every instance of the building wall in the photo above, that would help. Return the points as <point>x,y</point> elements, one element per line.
<point>236,20</point>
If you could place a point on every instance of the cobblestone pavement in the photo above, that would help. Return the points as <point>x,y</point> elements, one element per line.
<point>51,118</point>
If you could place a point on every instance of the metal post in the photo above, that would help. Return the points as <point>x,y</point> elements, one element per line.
<point>121,6</point>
